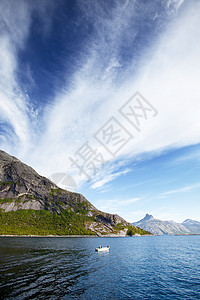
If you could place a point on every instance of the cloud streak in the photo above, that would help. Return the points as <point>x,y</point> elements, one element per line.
<point>181,190</point>
<point>107,179</point>
<point>163,79</point>
<point>17,117</point>
<point>13,104</point>
<point>166,73</point>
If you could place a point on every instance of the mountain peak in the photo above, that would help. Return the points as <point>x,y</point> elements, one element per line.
<point>187,221</point>
<point>190,222</point>
<point>160,227</point>
<point>148,217</point>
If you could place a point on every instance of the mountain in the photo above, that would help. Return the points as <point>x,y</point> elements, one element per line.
<point>159,227</point>
<point>32,204</point>
<point>192,226</point>
<point>148,218</point>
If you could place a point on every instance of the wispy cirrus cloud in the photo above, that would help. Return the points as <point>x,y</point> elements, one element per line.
<point>109,69</point>
<point>13,104</point>
<point>181,190</point>
<point>107,179</point>
<point>162,78</point>
<point>174,5</point>
<point>17,117</point>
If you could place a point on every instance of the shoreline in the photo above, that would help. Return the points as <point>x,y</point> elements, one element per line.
<point>92,236</point>
<point>30,235</point>
<point>70,236</point>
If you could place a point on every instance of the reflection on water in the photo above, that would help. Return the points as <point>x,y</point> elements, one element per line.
<point>69,268</point>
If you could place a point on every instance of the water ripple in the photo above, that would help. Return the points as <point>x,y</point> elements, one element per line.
<point>69,268</point>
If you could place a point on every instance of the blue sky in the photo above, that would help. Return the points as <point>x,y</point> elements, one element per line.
<point>70,73</point>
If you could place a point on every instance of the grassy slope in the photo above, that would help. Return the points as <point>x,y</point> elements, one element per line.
<point>42,222</point>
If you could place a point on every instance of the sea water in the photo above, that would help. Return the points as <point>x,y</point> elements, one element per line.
<point>151,267</point>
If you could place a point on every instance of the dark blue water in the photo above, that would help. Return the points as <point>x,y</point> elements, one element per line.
<point>165,267</point>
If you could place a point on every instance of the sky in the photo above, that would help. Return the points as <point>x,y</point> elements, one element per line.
<point>106,94</point>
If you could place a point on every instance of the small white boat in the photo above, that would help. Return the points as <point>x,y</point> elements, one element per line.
<point>100,248</point>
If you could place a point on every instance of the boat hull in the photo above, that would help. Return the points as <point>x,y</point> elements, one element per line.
<point>103,249</point>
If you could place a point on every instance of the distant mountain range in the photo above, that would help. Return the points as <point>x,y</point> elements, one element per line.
<point>160,227</point>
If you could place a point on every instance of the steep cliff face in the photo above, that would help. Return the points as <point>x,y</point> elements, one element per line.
<point>22,188</point>
<point>21,184</point>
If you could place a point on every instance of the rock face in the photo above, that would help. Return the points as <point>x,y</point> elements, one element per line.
<point>192,226</point>
<point>21,183</point>
<point>22,188</point>
<point>159,227</point>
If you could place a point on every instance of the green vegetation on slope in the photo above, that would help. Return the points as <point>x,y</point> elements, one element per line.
<point>136,230</point>
<point>131,230</point>
<point>6,200</point>
<point>42,222</point>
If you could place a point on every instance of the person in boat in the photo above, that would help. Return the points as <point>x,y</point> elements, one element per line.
<point>100,247</point>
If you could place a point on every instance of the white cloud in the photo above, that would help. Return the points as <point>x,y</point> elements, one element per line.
<point>174,5</point>
<point>108,178</point>
<point>181,190</point>
<point>168,78</point>
<point>187,157</point>
<point>15,106</point>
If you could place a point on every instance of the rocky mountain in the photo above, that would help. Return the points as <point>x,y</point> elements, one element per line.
<point>32,204</point>
<point>192,226</point>
<point>159,227</point>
